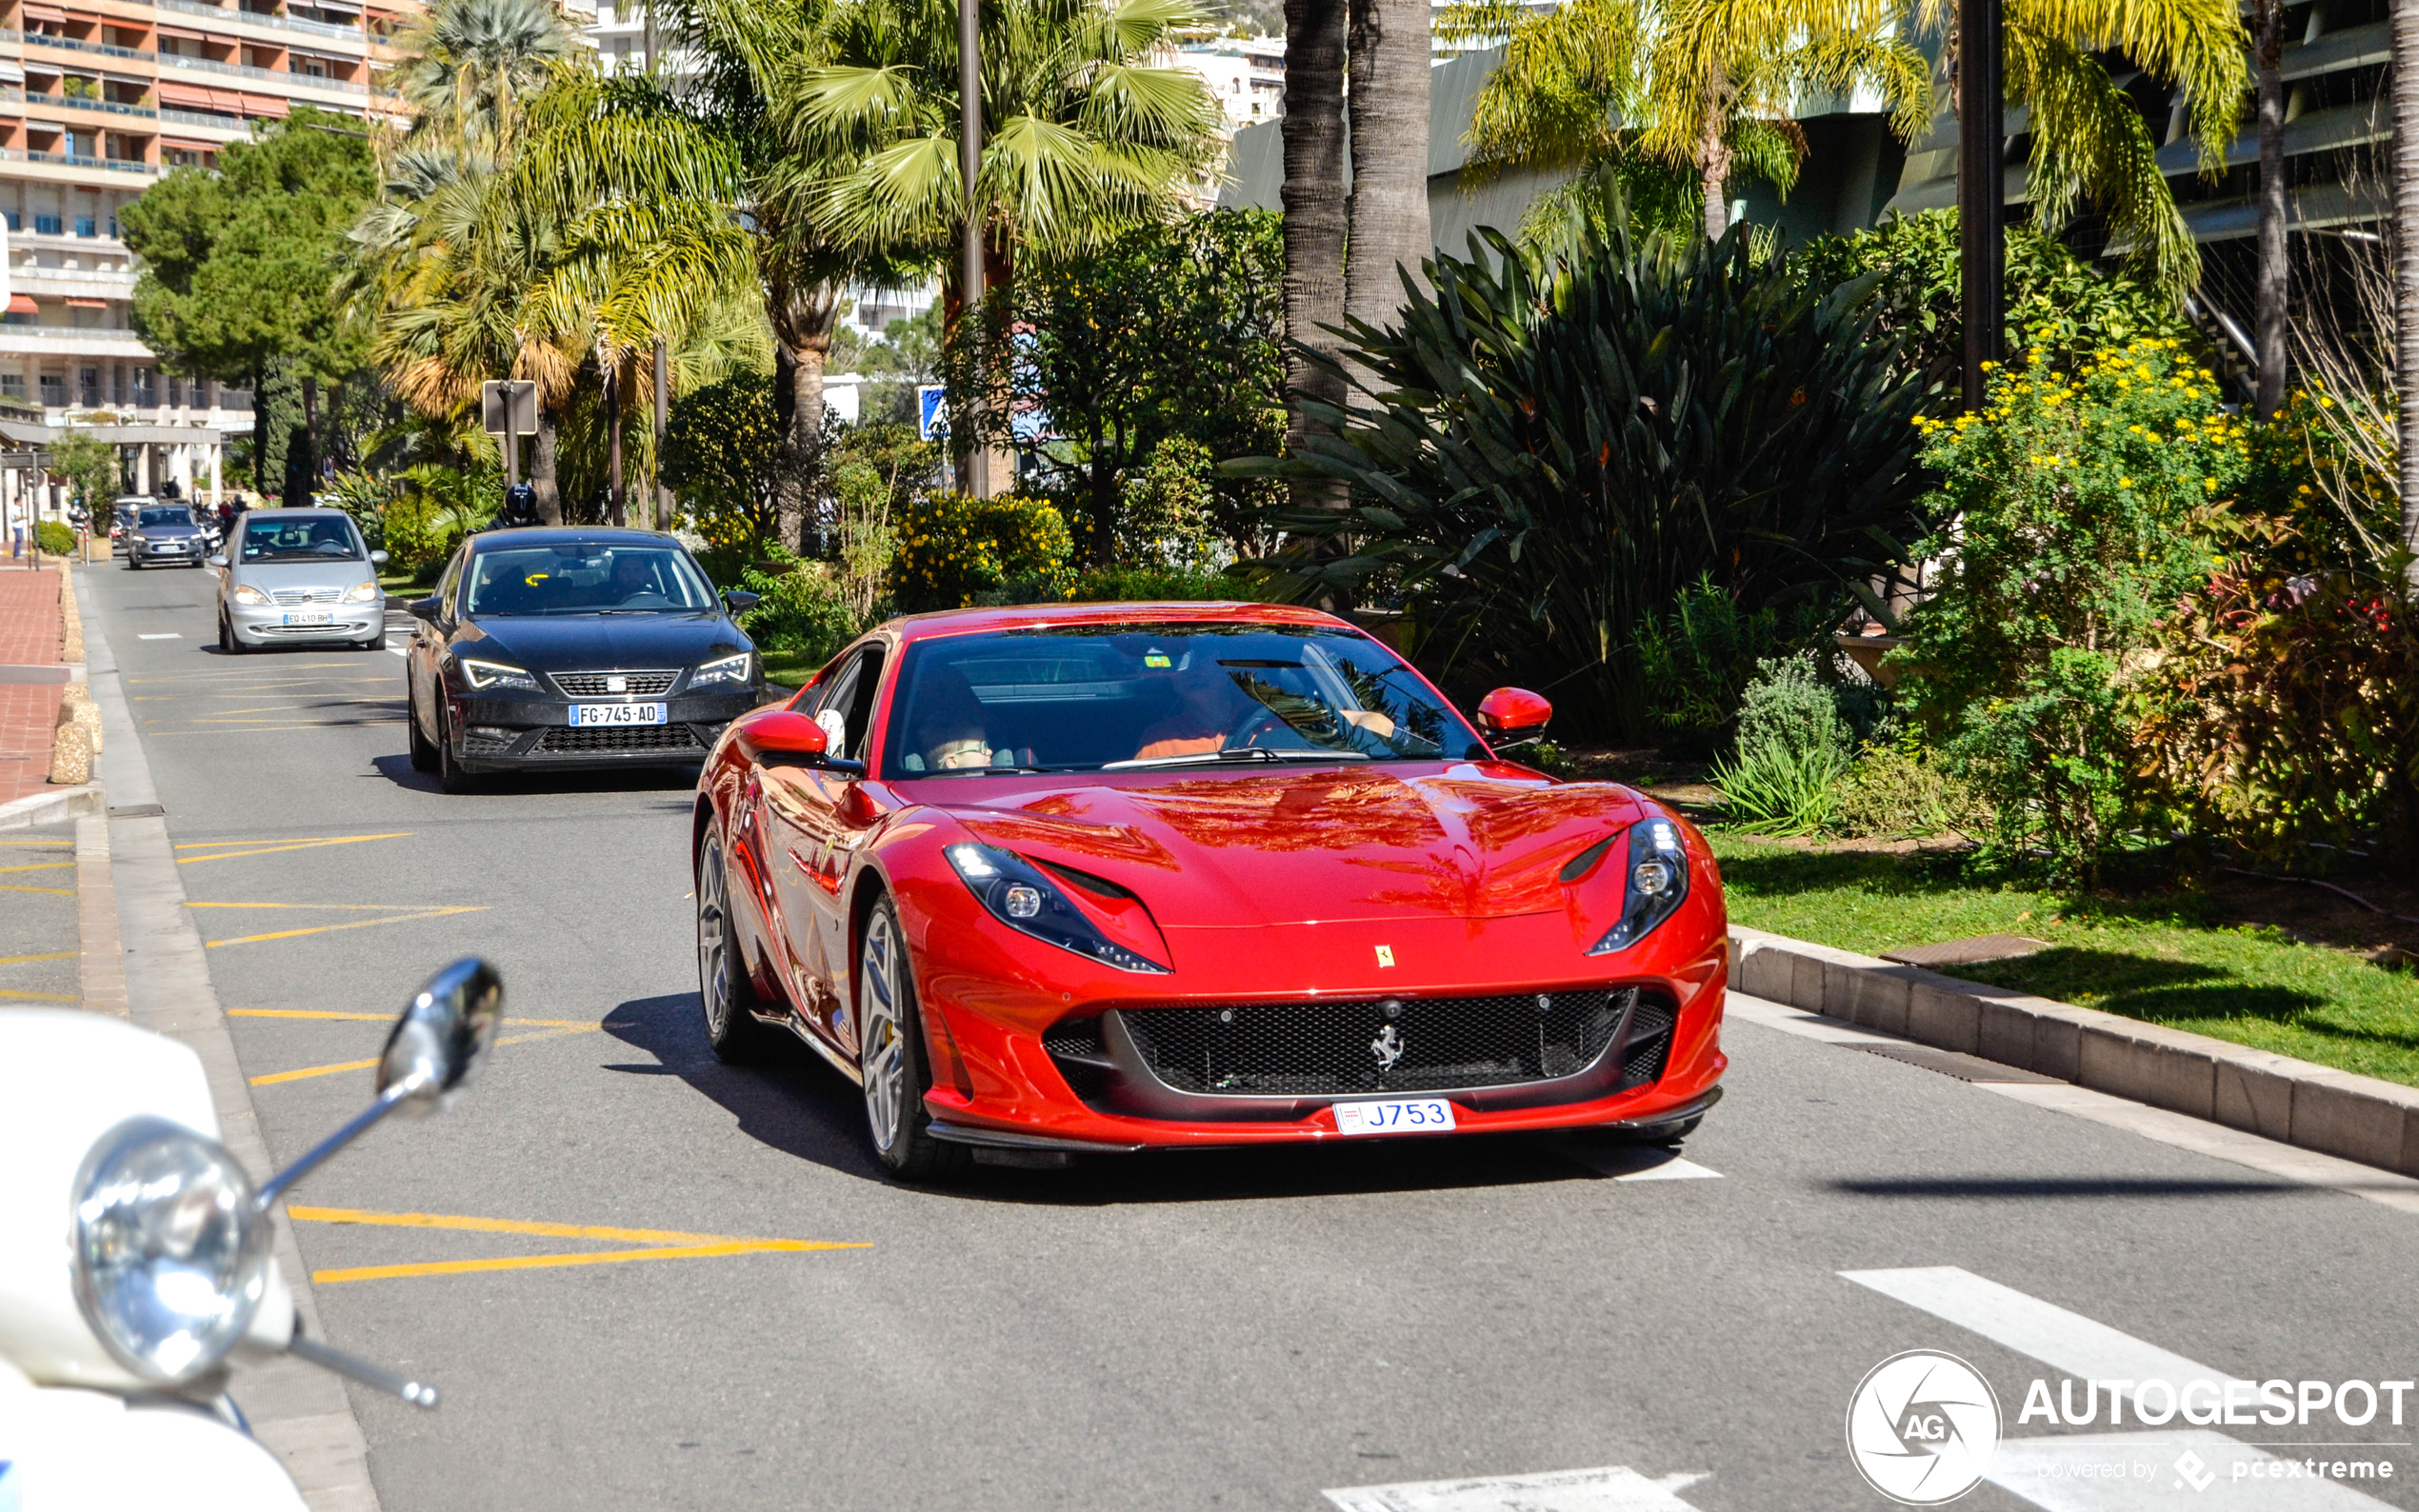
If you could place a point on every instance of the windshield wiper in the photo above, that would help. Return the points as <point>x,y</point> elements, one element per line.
<point>1241,753</point>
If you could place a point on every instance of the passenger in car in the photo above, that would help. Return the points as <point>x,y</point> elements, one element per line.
<point>950,730</point>
<point>1208,708</point>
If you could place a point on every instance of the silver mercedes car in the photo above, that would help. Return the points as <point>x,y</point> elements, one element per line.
<point>299,575</point>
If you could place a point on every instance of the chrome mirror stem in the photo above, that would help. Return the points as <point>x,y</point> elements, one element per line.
<point>419,1393</point>
<point>277,1185</point>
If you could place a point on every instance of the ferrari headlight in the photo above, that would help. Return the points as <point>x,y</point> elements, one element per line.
<point>245,593</point>
<point>494,675</point>
<point>365,591</point>
<point>171,1254</point>
<point>1020,897</point>
<point>726,669</point>
<point>1655,886</point>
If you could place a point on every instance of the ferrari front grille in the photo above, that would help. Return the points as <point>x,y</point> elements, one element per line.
<point>600,684</point>
<point>1378,1044</point>
<point>614,739</point>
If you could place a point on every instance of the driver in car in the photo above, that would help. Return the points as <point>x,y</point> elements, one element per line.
<point>1210,708</point>
<point>631,579</point>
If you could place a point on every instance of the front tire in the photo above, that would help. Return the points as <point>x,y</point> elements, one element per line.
<point>424,751</point>
<point>227,642</point>
<point>724,992</point>
<point>451,775</point>
<point>890,1055</point>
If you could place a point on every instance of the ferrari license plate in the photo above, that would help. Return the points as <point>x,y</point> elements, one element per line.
<point>617,714</point>
<point>1422,1115</point>
<point>306,619</point>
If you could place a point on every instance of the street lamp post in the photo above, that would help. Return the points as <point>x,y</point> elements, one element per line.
<point>1982,209</point>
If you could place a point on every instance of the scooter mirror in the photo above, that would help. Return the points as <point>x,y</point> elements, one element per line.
<point>444,1033</point>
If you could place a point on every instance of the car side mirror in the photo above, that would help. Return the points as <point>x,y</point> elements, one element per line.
<point>422,610</point>
<point>781,737</point>
<point>739,601</point>
<point>1513,716</point>
<point>218,561</point>
<point>378,559</point>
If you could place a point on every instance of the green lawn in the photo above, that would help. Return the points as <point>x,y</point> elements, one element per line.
<point>788,669</point>
<point>2167,959</point>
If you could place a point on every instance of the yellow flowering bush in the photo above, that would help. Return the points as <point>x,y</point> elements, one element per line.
<point>955,549</point>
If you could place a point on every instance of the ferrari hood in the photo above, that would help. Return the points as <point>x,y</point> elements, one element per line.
<point>1314,846</point>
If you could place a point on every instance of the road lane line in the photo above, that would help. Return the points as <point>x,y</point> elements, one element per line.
<point>508,1225</point>
<point>1637,1163</point>
<point>400,650</point>
<point>266,849</point>
<point>355,907</point>
<point>1612,1488</point>
<point>39,865</point>
<point>2064,1341</point>
<point>602,1257</point>
<point>366,1018</point>
<point>15,886</point>
<point>17,961</point>
<point>273,1078</point>
<point>161,635</point>
<point>34,997</point>
<point>329,929</point>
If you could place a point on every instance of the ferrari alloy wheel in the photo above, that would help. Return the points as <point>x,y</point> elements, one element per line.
<point>890,1054</point>
<point>722,990</point>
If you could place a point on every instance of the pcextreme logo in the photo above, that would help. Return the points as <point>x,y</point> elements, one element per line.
<point>1922,1427</point>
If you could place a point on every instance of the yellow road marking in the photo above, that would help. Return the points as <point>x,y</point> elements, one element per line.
<point>272,1078</point>
<point>64,892</point>
<point>331,928</point>
<point>602,1257</point>
<point>35,997</point>
<point>256,729</point>
<point>271,848</point>
<point>372,1018</point>
<point>357,907</point>
<point>506,1226</point>
<point>39,845</point>
<point>39,865</point>
<point>17,961</point>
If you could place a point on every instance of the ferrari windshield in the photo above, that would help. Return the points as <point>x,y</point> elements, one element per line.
<point>585,579</point>
<point>1117,697</point>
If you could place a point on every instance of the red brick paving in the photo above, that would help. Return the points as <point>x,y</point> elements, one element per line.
<point>29,628</point>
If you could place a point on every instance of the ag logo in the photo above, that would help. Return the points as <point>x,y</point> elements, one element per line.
<point>1922,1427</point>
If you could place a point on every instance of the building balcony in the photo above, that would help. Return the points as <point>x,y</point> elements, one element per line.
<point>245,70</point>
<point>104,50</point>
<point>256,18</point>
<point>77,102</point>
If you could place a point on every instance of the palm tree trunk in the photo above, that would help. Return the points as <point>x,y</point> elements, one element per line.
<point>613,439</point>
<point>2268,20</point>
<point>543,457</point>
<point>1714,158</point>
<point>2405,75</point>
<point>802,337</point>
<point>1387,232</point>
<point>260,430</point>
<point>1314,214</point>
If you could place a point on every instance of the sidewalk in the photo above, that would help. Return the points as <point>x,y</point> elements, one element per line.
<point>32,676</point>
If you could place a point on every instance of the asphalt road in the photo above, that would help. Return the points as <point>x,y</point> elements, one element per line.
<point>1185,1332</point>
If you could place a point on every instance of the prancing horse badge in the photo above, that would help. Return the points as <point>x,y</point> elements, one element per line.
<point>1385,955</point>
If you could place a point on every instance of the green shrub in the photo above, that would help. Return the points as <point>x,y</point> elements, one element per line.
<point>1791,707</point>
<point>1556,451</point>
<point>55,537</point>
<point>1900,789</point>
<point>954,551</point>
<point>1137,584</point>
<point>2082,499</point>
<point>720,443</point>
<point>1696,661</point>
<point>802,609</point>
<point>1164,518</point>
<point>1777,789</point>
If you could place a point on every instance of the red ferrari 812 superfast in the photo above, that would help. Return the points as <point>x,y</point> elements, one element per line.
<point>1112,877</point>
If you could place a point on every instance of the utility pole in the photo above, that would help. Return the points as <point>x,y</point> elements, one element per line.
<point>662,505</point>
<point>969,162</point>
<point>2404,79</point>
<point>1982,209</point>
<point>614,435</point>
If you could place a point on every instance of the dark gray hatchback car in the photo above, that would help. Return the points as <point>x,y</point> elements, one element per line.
<point>164,533</point>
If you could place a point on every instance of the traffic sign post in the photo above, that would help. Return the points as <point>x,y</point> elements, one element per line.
<point>507,408</point>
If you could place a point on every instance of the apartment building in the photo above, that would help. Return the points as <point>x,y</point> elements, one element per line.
<point>97,99</point>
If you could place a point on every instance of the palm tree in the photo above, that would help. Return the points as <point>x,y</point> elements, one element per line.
<point>1083,133</point>
<point>2406,224</point>
<point>1387,224</point>
<point>468,65</point>
<point>2090,142</point>
<point>1707,88</point>
<point>2268,51</point>
<point>1314,219</point>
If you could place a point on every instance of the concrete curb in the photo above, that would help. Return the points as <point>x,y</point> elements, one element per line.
<point>54,807</point>
<point>300,1412</point>
<point>2338,1113</point>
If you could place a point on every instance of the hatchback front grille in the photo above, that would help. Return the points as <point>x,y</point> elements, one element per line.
<point>599,685</point>
<point>1379,1045</point>
<point>615,738</point>
<point>288,598</point>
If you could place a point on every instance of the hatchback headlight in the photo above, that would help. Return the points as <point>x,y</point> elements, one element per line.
<point>1655,883</point>
<point>365,591</point>
<point>170,1252</point>
<point>494,675</point>
<point>245,593</point>
<point>726,669</point>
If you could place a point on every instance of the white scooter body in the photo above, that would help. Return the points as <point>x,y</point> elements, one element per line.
<point>77,1432</point>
